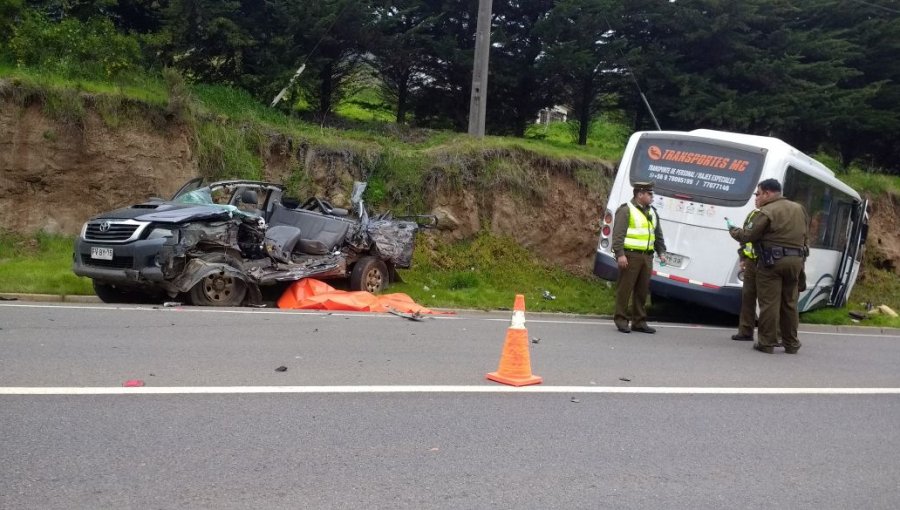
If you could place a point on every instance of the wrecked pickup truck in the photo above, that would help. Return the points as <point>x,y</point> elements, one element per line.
<point>216,244</point>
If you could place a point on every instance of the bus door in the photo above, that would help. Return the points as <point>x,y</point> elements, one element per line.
<point>848,268</point>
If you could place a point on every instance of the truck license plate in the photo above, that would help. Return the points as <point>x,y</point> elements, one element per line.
<point>674,260</point>
<point>101,253</point>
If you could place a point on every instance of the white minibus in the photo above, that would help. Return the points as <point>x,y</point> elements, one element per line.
<point>702,177</point>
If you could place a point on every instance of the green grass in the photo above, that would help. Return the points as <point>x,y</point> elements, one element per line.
<point>487,273</point>
<point>606,138</point>
<point>841,317</point>
<point>871,183</point>
<point>39,264</point>
<point>877,287</point>
<point>366,105</point>
<point>138,87</point>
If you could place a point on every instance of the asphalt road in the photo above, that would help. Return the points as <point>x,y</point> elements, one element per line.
<point>375,411</point>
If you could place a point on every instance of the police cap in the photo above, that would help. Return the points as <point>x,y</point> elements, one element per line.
<point>643,186</point>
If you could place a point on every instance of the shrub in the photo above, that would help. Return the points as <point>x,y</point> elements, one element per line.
<point>92,49</point>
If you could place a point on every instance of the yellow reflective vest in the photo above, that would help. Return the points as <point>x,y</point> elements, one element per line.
<point>747,250</point>
<point>641,233</point>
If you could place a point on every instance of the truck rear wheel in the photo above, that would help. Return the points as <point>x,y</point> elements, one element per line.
<point>369,274</point>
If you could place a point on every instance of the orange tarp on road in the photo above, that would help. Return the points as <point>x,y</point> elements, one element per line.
<point>311,294</point>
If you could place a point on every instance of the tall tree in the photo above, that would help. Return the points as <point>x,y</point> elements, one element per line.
<point>519,85</point>
<point>754,66</point>
<point>447,67</point>
<point>865,121</point>
<point>206,40</point>
<point>329,36</point>
<point>401,35</point>
<point>9,12</point>
<point>582,54</point>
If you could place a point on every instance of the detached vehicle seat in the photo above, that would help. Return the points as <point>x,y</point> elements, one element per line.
<point>318,234</point>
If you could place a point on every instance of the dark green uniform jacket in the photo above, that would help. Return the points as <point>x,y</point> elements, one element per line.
<point>779,223</point>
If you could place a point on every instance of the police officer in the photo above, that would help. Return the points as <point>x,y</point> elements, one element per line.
<point>636,235</point>
<point>747,321</point>
<point>779,232</point>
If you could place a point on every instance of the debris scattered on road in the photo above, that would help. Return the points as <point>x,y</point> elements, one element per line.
<point>414,316</point>
<point>133,383</point>
<point>170,304</point>
<point>281,369</point>
<point>535,340</point>
<point>4,298</point>
<point>624,379</point>
<point>575,400</point>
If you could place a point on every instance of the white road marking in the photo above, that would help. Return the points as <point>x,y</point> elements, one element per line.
<point>659,390</point>
<point>363,315</point>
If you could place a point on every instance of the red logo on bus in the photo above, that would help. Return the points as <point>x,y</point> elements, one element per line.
<point>654,152</point>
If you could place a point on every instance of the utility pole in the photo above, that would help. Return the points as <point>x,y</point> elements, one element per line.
<point>478,101</point>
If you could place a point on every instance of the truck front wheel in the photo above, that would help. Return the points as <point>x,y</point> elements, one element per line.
<point>218,289</point>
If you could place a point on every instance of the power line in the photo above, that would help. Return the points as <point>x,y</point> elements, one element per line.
<point>302,67</point>
<point>634,78</point>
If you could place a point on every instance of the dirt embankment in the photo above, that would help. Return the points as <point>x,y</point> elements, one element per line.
<point>53,176</point>
<point>883,243</point>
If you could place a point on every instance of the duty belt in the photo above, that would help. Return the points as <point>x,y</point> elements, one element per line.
<point>638,251</point>
<point>787,252</point>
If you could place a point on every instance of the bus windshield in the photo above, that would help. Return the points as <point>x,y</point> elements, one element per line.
<point>705,171</point>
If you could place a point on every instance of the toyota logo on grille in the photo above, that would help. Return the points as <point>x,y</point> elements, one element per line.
<point>104,226</point>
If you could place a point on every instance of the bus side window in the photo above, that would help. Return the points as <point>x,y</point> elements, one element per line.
<point>829,209</point>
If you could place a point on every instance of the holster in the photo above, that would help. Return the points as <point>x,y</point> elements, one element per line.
<point>768,257</point>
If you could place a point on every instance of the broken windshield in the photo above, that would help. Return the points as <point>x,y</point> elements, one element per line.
<point>203,196</point>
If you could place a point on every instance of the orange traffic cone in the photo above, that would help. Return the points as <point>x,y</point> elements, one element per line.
<point>515,361</point>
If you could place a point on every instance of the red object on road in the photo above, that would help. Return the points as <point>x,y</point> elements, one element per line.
<point>133,383</point>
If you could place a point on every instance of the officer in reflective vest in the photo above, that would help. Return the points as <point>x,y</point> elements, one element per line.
<point>747,322</point>
<point>636,235</point>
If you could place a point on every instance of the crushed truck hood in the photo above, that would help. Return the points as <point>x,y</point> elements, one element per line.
<point>167,212</point>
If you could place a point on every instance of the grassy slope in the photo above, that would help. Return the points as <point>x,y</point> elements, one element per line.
<point>484,273</point>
